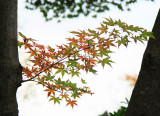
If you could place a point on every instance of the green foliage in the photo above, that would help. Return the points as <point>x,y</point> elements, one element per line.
<point>104,114</point>
<point>120,111</point>
<point>74,8</point>
<point>105,61</point>
<point>55,99</point>
<point>48,77</point>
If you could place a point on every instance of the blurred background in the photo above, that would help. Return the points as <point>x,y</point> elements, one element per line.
<point>109,85</point>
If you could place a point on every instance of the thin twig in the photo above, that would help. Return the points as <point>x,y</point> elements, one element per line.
<point>58,61</point>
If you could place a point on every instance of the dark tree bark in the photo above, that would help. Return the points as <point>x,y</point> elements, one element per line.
<point>10,68</point>
<point>145,99</point>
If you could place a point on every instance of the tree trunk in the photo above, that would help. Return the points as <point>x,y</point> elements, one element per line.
<point>145,99</point>
<point>10,68</point>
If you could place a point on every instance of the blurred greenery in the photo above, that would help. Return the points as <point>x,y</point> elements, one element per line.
<point>104,114</point>
<point>119,112</point>
<point>74,8</point>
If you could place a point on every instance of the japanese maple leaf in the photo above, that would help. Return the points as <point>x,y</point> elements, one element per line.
<point>71,102</point>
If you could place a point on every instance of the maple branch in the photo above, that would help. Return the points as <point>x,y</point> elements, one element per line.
<point>58,61</point>
<point>46,85</point>
<point>82,52</point>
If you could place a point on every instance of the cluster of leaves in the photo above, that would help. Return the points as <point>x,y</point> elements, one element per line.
<point>42,62</point>
<point>119,112</point>
<point>73,8</point>
<point>82,53</point>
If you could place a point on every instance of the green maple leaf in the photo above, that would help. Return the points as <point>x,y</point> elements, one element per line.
<point>106,61</point>
<point>92,71</point>
<point>83,81</point>
<point>48,77</point>
<point>73,73</point>
<point>62,71</point>
<point>55,99</point>
<point>75,94</point>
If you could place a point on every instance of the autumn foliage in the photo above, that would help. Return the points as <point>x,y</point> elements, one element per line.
<point>132,79</point>
<point>83,52</point>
